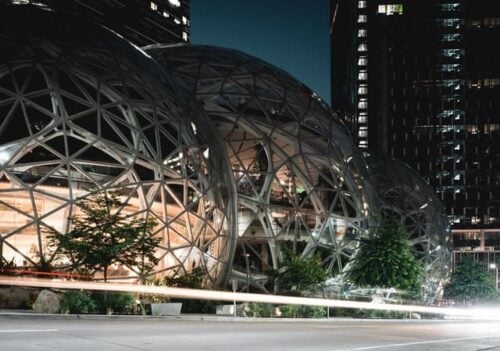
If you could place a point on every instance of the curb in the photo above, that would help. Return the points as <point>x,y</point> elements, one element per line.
<point>195,317</point>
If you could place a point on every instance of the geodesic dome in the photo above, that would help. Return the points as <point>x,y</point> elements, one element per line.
<point>406,196</point>
<point>299,178</point>
<point>82,112</point>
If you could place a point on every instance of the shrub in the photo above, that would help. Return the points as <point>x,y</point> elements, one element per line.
<point>77,302</point>
<point>119,302</point>
<point>290,311</point>
<point>297,311</point>
<point>260,309</point>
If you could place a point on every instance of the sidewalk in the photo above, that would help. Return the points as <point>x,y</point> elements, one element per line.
<point>25,314</point>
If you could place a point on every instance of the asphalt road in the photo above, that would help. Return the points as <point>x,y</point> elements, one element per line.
<point>92,335</point>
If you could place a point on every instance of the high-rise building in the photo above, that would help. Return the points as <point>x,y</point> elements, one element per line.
<point>420,81</point>
<point>143,22</point>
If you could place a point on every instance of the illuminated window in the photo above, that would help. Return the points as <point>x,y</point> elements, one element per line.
<point>185,36</point>
<point>363,104</point>
<point>390,9</point>
<point>362,33</point>
<point>362,75</point>
<point>362,4</point>
<point>362,19</point>
<point>362,47</point>
<point>363,90</point>
<point>177,21</point>
<point>184,20</point>
<point>166,14</point>
<point>175,3</point>
<point>154,6</point>
<point>362,61</point>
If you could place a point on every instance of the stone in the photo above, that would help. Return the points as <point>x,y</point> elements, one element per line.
<point>47,302</point>
<point>166,309</point>
<point>17,297</point>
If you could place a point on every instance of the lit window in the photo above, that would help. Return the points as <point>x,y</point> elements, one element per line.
<point>363,90</point>
<point>177,21</point>
<point>391,9</point>
<point>185,36</point>
<point>175,3</point>
<point>166,14</point>
<point>363,103</point>
<point>362,61</point>
<point>362,47</point>
<point>362,33</point>
<point>362,4</point>
<point>154,6</point>
<point>362,19</point>
<point>362,75</point>
<point>184,20</point>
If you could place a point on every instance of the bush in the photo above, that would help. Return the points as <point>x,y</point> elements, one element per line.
<point>196,306</point>
<point>77,302</point>
<point>119,302</point>
<point>259,309</point>
<point>313,311</point>
<point>296,311</point>
<point>290,311</point>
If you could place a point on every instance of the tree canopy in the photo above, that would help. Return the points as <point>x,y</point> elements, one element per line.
<point>300,273</point>
<point>470,282</point>
<point>384,259</point>
<point>102,235</point>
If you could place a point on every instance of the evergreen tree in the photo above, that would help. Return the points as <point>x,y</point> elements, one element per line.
<point>470,282</point>
<point>384,259</point>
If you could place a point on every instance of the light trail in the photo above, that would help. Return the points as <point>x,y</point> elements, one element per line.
<point>246,297</point>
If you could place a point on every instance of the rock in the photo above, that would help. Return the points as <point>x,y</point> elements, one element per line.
<point>47,302</point>
<point>17,297</point>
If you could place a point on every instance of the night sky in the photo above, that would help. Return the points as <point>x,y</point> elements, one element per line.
<point>290,34</point>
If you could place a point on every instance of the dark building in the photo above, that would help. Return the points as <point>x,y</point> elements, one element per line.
<point>420,80</point>
<point>143,22</point>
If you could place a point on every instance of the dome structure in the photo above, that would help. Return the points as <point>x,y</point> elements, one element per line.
<point>299,179</point>
<point>404,195</point>
<point>82,112</point>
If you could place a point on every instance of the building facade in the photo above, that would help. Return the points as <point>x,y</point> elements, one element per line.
<point>420,82</point>
<point>143,22</point>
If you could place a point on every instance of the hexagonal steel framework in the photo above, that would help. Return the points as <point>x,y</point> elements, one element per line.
<point>299,177</point>
<point>405,195</point>
<point>83,111</point>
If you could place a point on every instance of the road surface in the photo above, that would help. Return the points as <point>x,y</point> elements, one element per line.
<point>92,335</point>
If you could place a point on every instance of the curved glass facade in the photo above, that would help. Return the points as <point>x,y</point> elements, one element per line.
<point>299,178</point>
<point>235,159</point>
<point>405,195</point>
<point>90,113</point>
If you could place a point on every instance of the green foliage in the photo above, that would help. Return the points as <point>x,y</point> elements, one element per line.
<point>385,260</point>
<point>297,311</point>
<point>290,311</point>
<point>470,282</point>
<point>300,273</point>
<point>192,280</point>
<point>77,302</point>
<point>255,309</point>
<point>117,302</point>
<point>102,236</point>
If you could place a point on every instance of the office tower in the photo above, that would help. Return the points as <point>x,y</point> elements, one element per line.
<point>420,81</point>
<point>143,22</point>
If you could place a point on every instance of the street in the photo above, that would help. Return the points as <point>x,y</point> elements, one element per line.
<point>72,334</point>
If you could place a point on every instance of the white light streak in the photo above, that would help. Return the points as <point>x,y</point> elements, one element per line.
<point>459,313</point>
